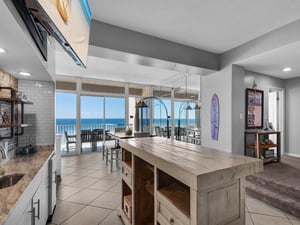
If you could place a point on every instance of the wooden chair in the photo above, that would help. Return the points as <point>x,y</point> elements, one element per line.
<point>70,139</point>
<point>158,131</point>
<point>112,154</point>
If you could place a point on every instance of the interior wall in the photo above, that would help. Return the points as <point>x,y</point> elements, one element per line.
<point>264,83</point>
<point>219,83</point>
<point>40,114</point>
<point>238,110</point>
<point>292,120</point>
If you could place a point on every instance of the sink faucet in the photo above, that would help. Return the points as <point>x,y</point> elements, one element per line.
<point>3,153</point>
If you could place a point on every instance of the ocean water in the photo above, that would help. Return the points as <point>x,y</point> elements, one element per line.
<point>109,124</point>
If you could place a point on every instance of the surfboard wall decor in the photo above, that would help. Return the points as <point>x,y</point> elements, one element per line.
<point>214,117</point>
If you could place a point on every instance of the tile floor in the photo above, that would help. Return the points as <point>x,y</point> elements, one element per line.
<point>89,194</point>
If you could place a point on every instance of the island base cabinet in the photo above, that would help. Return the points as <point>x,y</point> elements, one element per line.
<point>174,183</point>
<point>224,204</point>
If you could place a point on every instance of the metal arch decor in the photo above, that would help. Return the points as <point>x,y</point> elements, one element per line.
<point>214,117</point>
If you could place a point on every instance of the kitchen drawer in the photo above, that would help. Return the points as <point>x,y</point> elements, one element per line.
<point>127,174</point>
<point>166,217</point>
<point>168,213</point>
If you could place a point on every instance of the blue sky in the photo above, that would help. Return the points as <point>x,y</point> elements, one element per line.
<point>92,107</point>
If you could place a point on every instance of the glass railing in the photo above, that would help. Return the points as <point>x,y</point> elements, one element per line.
<point>71,129</point>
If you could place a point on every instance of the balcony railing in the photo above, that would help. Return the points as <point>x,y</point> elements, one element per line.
<point>71,129</point>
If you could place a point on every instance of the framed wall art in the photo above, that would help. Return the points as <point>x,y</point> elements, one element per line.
<point>254,108</point>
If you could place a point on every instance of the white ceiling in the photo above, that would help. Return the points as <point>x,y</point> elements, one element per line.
<point>273,62</point>
<point>211,25</point>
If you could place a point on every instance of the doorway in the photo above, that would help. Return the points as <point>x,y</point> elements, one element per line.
<point>276,112</point>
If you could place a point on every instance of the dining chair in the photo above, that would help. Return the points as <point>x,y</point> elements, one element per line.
<point>112,154</point>
<point>70,139</point>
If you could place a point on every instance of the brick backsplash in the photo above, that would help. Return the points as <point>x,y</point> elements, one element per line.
<point>40,114</point>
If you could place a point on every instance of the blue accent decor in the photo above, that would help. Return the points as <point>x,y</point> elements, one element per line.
<point>86,10</point>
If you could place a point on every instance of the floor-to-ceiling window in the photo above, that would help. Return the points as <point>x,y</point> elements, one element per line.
<point>65,115</point>
<point>92,112</point>
<point>114,112</point>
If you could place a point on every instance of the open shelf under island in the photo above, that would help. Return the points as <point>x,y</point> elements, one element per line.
<point>171,182</point>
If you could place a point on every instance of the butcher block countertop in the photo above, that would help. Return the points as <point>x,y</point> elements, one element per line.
<point>198,167</point>
<point>27,165</point>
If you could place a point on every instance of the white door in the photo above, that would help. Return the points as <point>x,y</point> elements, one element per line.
<point>276,113</point>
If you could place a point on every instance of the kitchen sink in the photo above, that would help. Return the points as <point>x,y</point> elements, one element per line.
<point>10,180</point>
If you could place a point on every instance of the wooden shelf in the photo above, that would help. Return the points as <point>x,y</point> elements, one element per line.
<point>16,100</point>
<point>128,163</point>
<point>263,146</point>
<point>258,148</point>
<point>270,159</point>
<point>178,194</point>
<point>14,125</point>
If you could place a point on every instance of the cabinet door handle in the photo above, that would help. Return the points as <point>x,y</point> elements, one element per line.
<point>38,203</point>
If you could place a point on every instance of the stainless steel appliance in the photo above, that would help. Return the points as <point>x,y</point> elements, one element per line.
<point>52,186</point>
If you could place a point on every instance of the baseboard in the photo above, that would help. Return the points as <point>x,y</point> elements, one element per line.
<point>292,154</point>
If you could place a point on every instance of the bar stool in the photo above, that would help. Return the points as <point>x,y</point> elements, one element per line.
<point>111,154</point>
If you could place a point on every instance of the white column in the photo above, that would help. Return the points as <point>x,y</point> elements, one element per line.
<point>78,115</point>
<point>172,114</point>
<point>126,104</point>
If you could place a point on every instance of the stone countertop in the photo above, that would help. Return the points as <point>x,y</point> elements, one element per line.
<point>27,165</point>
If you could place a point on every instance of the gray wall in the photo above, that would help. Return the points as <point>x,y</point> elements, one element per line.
<point>264,83</point>
<point>292,118</point>
<point>221,84</point>
<point>238,110</point>
<point>40,115</point>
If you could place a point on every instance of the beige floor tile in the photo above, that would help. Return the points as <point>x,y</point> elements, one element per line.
<point>256,206</point>
<point>248,219</point>
<point>108,200</point>
<point>68,170</point>
<point>269,220</point>
<point>83,172</point>
<point>64,192</point>
<point>67,179</point>
<point>104,184</point>
<point>98,174</point>
<point>117,188</point>
<point>88,216</point>
<point>85,196</point>
<point>64,210</point>
<point>84,182</point>
<point>112,219</point>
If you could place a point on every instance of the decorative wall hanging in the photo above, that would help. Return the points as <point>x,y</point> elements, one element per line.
<point>254,108</point>
<point>214,117</point>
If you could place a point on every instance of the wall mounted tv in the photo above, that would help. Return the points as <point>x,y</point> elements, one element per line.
<point>68,21</point>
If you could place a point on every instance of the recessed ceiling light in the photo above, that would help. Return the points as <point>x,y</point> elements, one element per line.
<point>2,50</point>
<point>287,69</point>
<point>25,73</point>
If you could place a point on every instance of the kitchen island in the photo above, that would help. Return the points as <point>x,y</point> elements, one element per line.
<point>171,182</point>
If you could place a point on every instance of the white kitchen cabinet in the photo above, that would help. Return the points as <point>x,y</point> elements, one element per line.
<point>27,215</point>
<point>40,199</point>
<point>32,207</point>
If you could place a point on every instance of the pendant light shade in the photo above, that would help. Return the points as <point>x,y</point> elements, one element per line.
<point>141,104</point>
<point>197,106</point>
<point>188,107</point>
